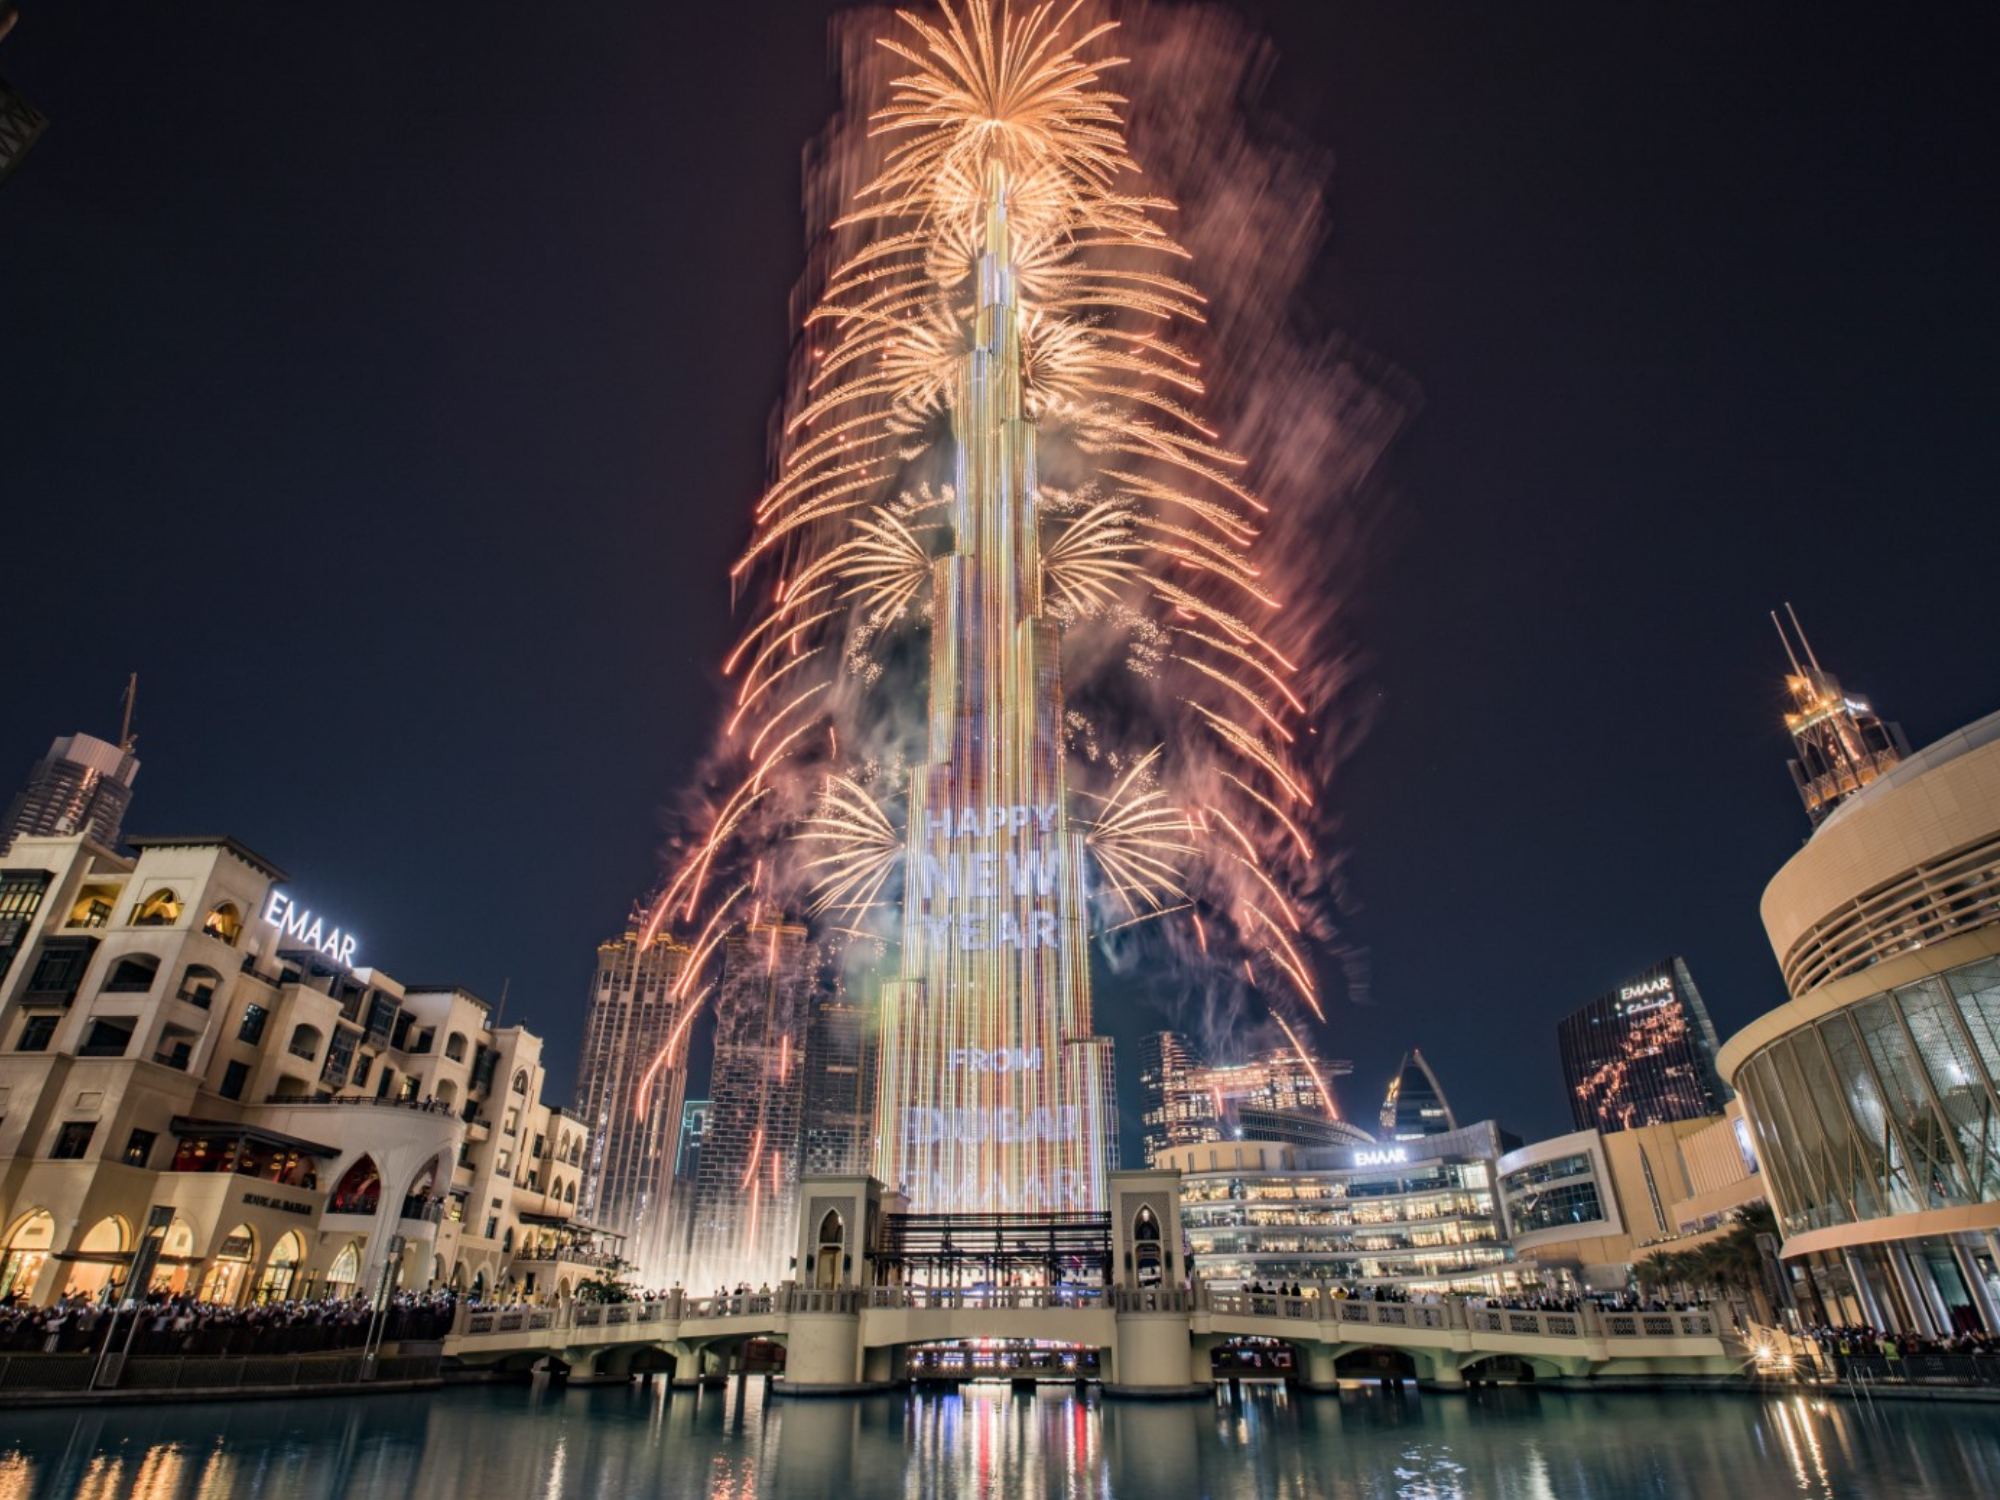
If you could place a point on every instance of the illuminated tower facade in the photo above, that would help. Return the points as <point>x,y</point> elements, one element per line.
<point>741,1221</point>
<point>1643,1054</point>
<point>1841,744</point>
<point>83,785</point>
<point>630,1084</point>
<point>1415,1105</point>
<point>994,1093</point>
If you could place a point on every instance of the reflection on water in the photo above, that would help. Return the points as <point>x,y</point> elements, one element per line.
<point>1266,1443</point>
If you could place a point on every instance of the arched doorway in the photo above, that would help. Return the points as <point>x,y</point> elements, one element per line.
<point>281,1273</point>
<point>28,1249</point>
<point>100,1259</point>
<point>345,1274</point>
<point>832,1246</point>
<point>229,1269</point>
<point>359,1190</point>
<point>170,1274</point>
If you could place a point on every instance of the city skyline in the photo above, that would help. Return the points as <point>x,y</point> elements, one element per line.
<point>476,741</point>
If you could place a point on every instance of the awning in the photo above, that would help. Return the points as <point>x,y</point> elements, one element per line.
<point>231,1130</point>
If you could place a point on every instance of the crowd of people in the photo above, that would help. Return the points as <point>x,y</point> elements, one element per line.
<point>1893,1348</point>
<point>181,1325</point>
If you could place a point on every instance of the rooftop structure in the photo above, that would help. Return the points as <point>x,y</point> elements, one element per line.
<point>1415,1105</point>
<point>1841,745</point>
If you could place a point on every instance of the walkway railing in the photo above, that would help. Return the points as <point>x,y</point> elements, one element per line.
<point>677,1308</point>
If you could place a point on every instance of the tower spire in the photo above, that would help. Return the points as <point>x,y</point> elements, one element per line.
<point>126,739</point>
<point>1841,745</point>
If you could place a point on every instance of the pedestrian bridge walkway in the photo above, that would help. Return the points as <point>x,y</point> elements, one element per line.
<point>1140,1341</point>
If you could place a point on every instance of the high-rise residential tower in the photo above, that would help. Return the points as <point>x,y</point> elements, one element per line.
<point>630,1084</point>
<point>1642,1054</point>
<point>83,785</point>
<point>993,1087</point>
<point>1415,1106</point>
<point>740,1223</point>
<point>839,1083</point>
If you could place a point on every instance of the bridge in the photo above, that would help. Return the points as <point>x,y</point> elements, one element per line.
<point>1136,1341</point>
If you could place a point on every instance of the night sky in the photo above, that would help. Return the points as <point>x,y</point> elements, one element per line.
<point>389,387</point>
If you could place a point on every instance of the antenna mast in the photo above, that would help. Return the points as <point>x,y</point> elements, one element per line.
<point>125,739</point>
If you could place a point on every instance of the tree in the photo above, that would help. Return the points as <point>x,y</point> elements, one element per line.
<point>608,1285</point>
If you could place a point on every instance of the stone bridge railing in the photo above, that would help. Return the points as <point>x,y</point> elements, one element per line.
<point>668,1317</point>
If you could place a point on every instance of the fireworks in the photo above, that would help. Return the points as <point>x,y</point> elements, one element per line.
<point>1153,548</point>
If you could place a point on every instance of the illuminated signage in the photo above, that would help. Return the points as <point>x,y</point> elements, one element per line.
<point>297,924</point>
<point>1651,995</point>
<point>998,1060</point>
<point>1386,1156</point>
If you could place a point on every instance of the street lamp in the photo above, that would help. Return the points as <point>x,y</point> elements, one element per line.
<point>392,1268</point>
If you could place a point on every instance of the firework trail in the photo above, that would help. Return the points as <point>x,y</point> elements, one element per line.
<point>1203,467</point>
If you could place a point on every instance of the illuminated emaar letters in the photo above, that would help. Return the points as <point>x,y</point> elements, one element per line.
<point>302,927</point>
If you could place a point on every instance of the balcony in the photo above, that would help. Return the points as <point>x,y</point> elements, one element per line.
<point>360,1204</point>
<point>422,1208</point>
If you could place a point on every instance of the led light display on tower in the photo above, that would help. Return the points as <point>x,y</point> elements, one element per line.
<point>993,1092</point>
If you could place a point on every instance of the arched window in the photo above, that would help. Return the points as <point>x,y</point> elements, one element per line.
<point>133,975</point>
<point>305,1042</point>
<point>229,1272</point>
<point>161,909</point>
<point>570,1197</point>
<point>832,1247</point>
<point>198,986</point>
<point>359,1190</point>
<point>521,1081</point>
<point>28,1250</point>
<point>224,922</point>
<point>340,1281</point>
<point>454,1046</point>
<point>93,906</point>
<point>1147,1259</point>
<point>283,1269</point>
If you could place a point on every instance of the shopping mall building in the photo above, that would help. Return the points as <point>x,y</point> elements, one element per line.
<point>1874,1092</point>
<point>191,1053</point>
<point>1422,1215</point>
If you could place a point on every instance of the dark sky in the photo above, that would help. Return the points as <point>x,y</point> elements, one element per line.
<point>388,387</point>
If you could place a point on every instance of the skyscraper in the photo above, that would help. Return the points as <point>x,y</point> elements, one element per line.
<point>1642,1054</point>
<point>1272,1095</point>
<point>1415,1106</point>
<point>740,1222</point>
<point>839,1083</point>
<point>83,785</point>
<point>993,1087</point>
<point>1171,1112</point>
<point>1841,744</point>
<point>630,1083</point>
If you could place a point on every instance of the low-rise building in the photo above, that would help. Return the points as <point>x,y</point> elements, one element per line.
<point>1420,1215</point>
<point>1584,1207</point>
<point>179,1033</point>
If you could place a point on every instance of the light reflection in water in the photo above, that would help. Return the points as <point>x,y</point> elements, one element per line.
<point>989,1443</point>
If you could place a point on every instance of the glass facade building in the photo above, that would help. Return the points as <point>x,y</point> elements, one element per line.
<point>1874,1092</point>
<point>1888,1106</point>
<point>1422,1215</point>
<point>1643,1054</point>
<point>1415,1106</point>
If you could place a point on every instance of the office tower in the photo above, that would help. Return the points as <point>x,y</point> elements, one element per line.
<point>83,785</point>
<point>1415,1106</point>
<point>740,1222</point>
<point>840,1083</point>
<point>1642,1054</point>
<point>1841,744</point>
<point>630,1084</point>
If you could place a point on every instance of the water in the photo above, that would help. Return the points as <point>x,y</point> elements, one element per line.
<point>514,1443</point>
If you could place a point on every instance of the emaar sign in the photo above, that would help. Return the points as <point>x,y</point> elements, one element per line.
<point>300,926</point>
